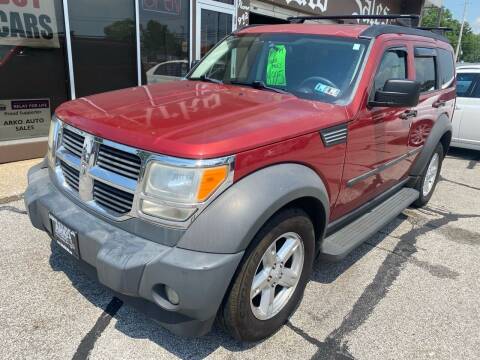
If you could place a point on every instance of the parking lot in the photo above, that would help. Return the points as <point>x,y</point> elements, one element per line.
<point>411,291</point>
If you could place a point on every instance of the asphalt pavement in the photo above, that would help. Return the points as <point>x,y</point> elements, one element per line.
<point>412,291</point>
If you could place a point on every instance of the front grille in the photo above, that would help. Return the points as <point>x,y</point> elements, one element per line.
<point>71,175</point>
<point>73,142</point>
<point>119,162</point>
<point>112,198</point>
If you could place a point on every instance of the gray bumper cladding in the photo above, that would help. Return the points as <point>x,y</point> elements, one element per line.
<point>135,267</point>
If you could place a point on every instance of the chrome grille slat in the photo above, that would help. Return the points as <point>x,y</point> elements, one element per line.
<point>73,150</point>
<point>119,162</point>
<point>113,199</point>
<point>71,175</point>
<point>73,142</point>
<point>109,206</point>
<point>116,170</point>
<point>112,171</point>
<point>101,161</point>
<point>118,207</point>
<point>101,192</point>
<point>105,154</point>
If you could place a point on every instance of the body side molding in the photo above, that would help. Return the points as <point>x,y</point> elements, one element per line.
<point>383,167</point>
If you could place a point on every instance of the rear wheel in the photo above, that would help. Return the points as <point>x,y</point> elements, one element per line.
<point>428,180</point>
<point>272,277</point>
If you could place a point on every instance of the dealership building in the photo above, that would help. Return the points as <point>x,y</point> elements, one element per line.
<point>52,51</point>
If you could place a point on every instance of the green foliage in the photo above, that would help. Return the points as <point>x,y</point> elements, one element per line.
<point>470,48</point>
<point>123,30</point>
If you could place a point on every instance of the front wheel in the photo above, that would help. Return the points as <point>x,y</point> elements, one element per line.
<point>272,277</point>
<point>429,178</point>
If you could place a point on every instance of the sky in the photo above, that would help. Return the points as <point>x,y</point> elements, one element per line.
<point>473,11</point>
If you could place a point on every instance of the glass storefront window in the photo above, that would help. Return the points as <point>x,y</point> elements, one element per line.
<point>165,30</point>
<point>32,67</point>
<point>213,28</point>
<point>103,45</point>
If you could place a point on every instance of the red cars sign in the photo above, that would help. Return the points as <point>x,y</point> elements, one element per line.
<point>28,23</point>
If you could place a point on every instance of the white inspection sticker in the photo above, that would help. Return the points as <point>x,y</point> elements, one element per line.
<point>327,90</point>
<point>356,47</point>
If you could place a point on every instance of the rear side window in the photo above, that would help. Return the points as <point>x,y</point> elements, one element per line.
<point>447,68</point>
<point>393,66</point>
<point>425,69</point>
<point>466,84</point>
<point>476,90</point>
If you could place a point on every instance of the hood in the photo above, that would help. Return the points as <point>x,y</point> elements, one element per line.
<point>194,119</point>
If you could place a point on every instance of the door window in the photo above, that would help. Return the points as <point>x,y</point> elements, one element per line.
<point>447,68</point>
<point>466,84</point>
<point>426,74</point>
<point>393,66</point>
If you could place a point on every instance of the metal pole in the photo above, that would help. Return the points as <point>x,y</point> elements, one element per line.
<point>68,39</point>
<point>461,30</point>
<point>440,13</point>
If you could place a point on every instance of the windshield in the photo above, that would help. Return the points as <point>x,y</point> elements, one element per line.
<point>309,66</point>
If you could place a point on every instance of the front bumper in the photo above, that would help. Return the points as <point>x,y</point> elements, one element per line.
<point>135,268</point>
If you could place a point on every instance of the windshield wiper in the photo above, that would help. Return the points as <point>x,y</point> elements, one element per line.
<point>206,79</point>
<point>257,84</point>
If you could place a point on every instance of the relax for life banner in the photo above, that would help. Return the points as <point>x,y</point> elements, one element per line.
<point>30,23</point>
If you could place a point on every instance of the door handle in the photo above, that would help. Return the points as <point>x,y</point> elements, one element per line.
<point>408,114</point>
<point>439,103</point>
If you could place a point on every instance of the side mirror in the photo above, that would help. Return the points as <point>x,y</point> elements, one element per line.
<point>397,93</point>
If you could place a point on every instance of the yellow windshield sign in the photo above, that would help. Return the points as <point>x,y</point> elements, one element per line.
<point>276,66</point>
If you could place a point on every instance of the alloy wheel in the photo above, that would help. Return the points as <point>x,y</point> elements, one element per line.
<point>277,276</point>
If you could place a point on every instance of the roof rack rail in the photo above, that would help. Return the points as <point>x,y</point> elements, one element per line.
<point>341,18</point>
<point>440,30</point>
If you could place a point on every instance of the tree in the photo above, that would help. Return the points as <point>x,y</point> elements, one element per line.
<point>122,30</point>
<point>470,49</point>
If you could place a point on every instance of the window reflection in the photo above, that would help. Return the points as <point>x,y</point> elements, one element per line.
<point>33,70</point>
<point>103,45</point>
<point>214,27</point>
<point>164,39</point>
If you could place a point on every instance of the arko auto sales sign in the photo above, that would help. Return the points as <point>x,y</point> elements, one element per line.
<point>24,118</point>
<point>28,23</point>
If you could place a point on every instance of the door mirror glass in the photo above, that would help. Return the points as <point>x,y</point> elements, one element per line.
<point>397,93</point>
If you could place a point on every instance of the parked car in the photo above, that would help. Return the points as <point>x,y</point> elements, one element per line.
<point>211,197</point>
<point>167,71</point>
<point>466,122</point>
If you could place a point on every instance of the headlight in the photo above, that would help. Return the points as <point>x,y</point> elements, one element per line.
<point>52,137</point>
<point>176,192</point>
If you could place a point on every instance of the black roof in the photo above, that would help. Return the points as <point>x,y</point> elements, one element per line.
<point>376,30</point>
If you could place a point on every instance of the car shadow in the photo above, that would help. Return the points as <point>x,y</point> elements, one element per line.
<point>326,272</point>
<point>473,156</point>
<point>135,324</point>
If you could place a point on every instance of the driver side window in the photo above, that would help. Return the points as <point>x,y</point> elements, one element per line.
<point>393,66</point>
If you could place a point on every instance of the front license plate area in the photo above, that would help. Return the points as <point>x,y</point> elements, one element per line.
<point>64,236</point>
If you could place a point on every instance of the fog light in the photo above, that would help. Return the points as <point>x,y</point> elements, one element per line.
<point>172,295</point>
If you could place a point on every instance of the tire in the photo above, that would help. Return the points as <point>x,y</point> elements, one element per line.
<point>243,317</point>
<point>426,185</point>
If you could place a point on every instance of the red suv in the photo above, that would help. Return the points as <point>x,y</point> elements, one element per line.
<point>211,197</point>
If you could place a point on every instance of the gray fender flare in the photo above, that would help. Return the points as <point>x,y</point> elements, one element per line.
<point>229,224</point>
<point>441,127</point>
